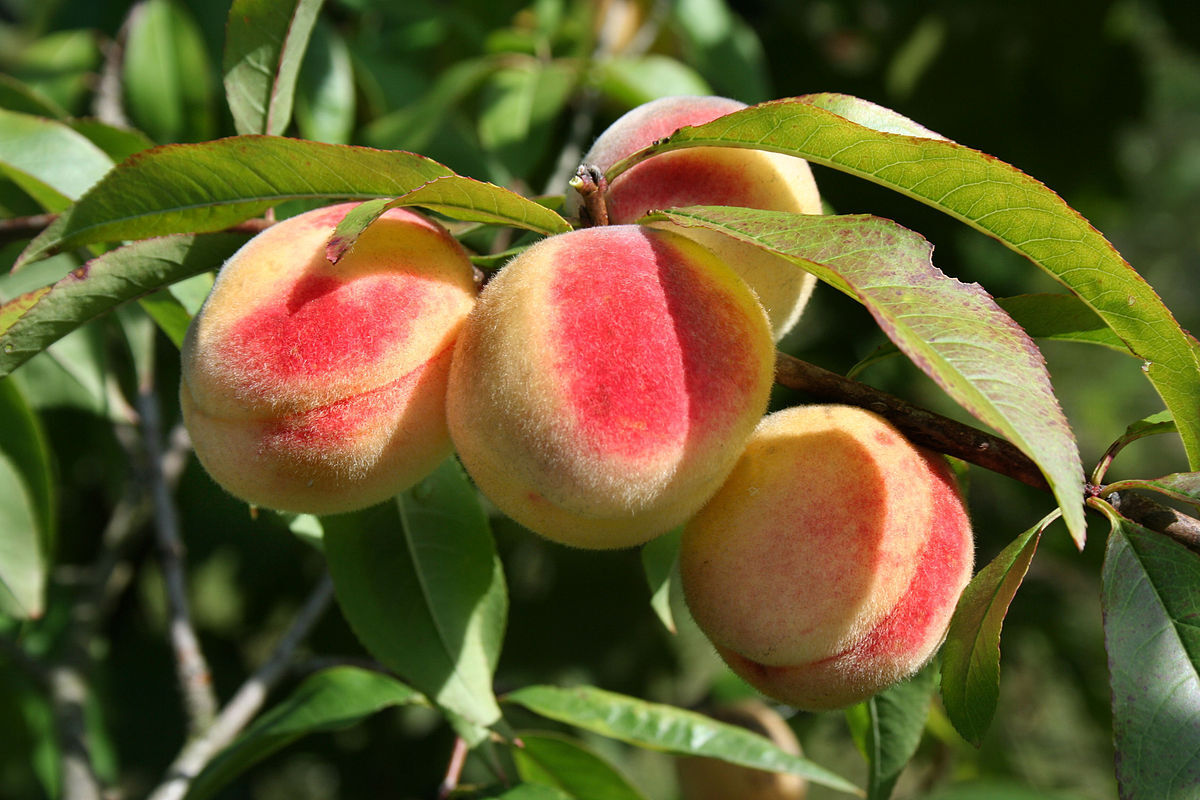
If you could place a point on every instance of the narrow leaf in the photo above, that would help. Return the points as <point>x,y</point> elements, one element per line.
<point>952,331</point>
<point>971,654</point>
<point>167,74</point>
<point>27,512</point>
<point>454,195</point>
<point>330,700</point>
<point>633,81</point>
<point>534,791</point>
<point>674,730</point>
<point>1061,317</point>
<point>1182,486</point>
<point>567,764</point>
<point>200,188</point>
<point>1152,634</point>
<point>118,143</point>
<point>325,92</point>
<point>520,103</point>
<point>421,585</point>
<point>986,194</point>
<point>265,42</point>
<point>892,724</point>
<point>32,322</point>
<point>51,162</point>
<point>18,96</point>
<point>660,562</point>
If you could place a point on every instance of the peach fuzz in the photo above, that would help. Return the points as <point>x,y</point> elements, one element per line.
<point>710,176</point>
<point>606,382</point>
<point>320,388</point>
<point>828,566</point>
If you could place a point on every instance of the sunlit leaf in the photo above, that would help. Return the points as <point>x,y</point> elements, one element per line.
<point>1182,486</point>
<point>32,322</point>
<point>986,194</point>
<point>200,188</point>
<point>118,143</point>
<point>971,654</point>
<point>330,700</point>
<point>633,81</point>
<point>464,198</point>
<point>25,99</point>
<point>566,764</point>
<point>953,331</point>
<point>667,728</point>
<point>167,74</point>
<point>265,41</point>
<point>660,562</point>
<point>421,585</point>
<point>27,512</point>
<point>1151,608</point>
<point>325,97</point>
<point>520,103</point>
<point>49,160</point>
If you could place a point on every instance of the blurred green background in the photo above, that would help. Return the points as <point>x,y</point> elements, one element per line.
<point>1099,100</point>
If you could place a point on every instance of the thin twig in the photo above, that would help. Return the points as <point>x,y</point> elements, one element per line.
<point>195,679</point>
<point>458,757</point>
<point>242,707</point>
<point>919,425</point>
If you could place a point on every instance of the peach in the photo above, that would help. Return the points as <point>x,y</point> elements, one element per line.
<point>320,388</point>
<point>710,176</point>
<point>828,565</point>
<point>606,383</point>
<point>714,779</point>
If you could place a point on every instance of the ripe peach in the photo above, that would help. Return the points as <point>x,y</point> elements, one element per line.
<point>606,382</point>
<point>714,779</point>
<point>828,565</point>
<point>710,176</point>
<point>320,388</point>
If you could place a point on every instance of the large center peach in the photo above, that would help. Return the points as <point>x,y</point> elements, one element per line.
<point>606,381</point>
<point>315,387</point>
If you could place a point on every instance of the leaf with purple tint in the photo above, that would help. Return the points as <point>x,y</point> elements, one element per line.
<point>955,332</point>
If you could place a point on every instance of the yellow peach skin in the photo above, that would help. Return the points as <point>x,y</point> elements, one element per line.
<point>606,382</point>
<point>828,565</point>
<point>710,176</point>
<point>320,388</point>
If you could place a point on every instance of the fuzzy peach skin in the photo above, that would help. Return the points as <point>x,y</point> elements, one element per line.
<point>606,383</point>
<point>721,176</point>
<point>828,565</point>
<point>320,388</point>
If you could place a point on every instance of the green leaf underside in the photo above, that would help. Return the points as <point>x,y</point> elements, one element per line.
<point>330,700</point>
<point>986,194</point>
<point>895,721</point>
<point>47,159</point>
<point>264,47</point>
<point>1062,317</point>
<point>1152,634</point>
<point>103,283</point>
<point>667,728</point>
<point>420,583</point>
<point>1153,425</point>
<point>567,764</point>
<point>971,654</point>
<point>200,188</point>
<point>660,558</point>
<point>952,331</point>
<point>1182,486</point>
<point>463,198</point>
<point>27,510</point>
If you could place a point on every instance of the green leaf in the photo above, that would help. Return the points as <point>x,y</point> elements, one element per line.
<point>660,562</point>
<point>1182,486</point>
<point>325,101</point>
<point>421,585</point>
<point>27,512</point>
<point>118,143</point>
<point>567,764</point>
<point>414,126</point>
<point>534,791</point>
<point>167,74</point>
<point>1061,317</point>
<point>667,728</point>
<point>330,700</point>
<point>633,81</point>
<point>200,188</point>
<point>971,654</point>
<point>265,42</point>
<point>520,103</point>
<point>23,98</point>
<point>1153,425</point>
<point>32,322</point>
<point>1152,634</point>
<point>986,194</point>
<point>952,331</point>
<point>889,727</point>
<point>464,198</point>
<point>50,161</point>
<point>722,47</point>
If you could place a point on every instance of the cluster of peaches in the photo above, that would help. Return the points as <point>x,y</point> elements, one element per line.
<point>606,386</point>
